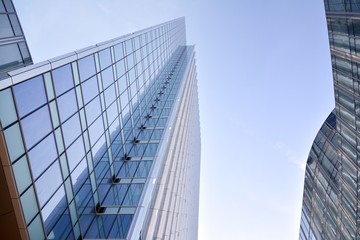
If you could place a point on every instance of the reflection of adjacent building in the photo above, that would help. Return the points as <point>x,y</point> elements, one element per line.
<point>331,198</point>
<point>105,142</point>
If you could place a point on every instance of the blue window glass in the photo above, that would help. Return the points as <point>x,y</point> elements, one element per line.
<point>96,130</point>
<point>36,126</point>
<point>93,110</point>
<point>143,169</point>
<point>79,175</point>
<point>130,61</point>
<point>90,89</point>
<point>71,129</point>
<point>112,113</point>
<point>121,227</point>
<point>48,183</point>
<point>30,95</point>
<point>128,46</point>
<point>67,105</point>
<point>42,155</point>
<point>105,58</point>
<point>54,209</point>
<point>86,67</point>
<point>63,79</point>
<point>110,95</point>
<point>124,99</point>
<point>22,174</point>
<point>75,153</point>
<point>62,228</point>
<point>119,53</point>
<point>107,77</point>
<point>120,68</point>
<point>133,195</point>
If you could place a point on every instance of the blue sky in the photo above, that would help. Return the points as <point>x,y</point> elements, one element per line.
<point>265,88</point>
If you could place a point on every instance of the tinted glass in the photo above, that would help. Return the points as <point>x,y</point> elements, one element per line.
<point>36,126</point>
<point>63,79</point>
<point>75,153</point>
<point>29,95</point>
<point>105,58</point>
<point>90,89</point>
<point>107,77</point>
<point>86,67</point>
<point>67,105</point>
<point>7,108</point>
<point>5,26</point>
<point>71,129</point>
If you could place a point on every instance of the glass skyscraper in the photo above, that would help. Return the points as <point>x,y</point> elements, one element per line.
<point>331,200</point>
<point>104,142</point>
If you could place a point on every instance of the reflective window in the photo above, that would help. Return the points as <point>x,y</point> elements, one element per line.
<point>96,130</point>
<point>48,183</point>
<point>36,126</point>
<point>75,153</point>
<point>29,95</point>
<point>7,108</point>
<point>86,67</point>
<point>119,53</point>
<point>14,142</point>
<point>63,79</point>
<point>112,113</point>
<point>5,26</point>
<point>105,58</point>
<point>67,105</point>
<point>133,195</point>
<point>25,52</point>
<point>120,68</point>
<point>9,6</point>
<point>107,77</point>
<point>90,89</point>
<point>42,155</point>
<point>22,174</point>
<point>93,110</point>
<point>110,95</point>
<point>28,204</point>
<point>79,175</point>
<point>71,129</point>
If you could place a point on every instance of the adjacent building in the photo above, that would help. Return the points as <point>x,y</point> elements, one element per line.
<point>102,143</point>
<point>331,200</point>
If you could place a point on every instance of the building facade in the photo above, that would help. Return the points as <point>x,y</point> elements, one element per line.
<point>104,142</point>
<point>331,200</point>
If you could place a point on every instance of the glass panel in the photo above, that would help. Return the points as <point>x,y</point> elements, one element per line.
<point>93,110</point>
<point>90,89</point>
<point>15,24</point>
<point>63,79</point>
<point>67,105</point>
<point>5,26</point>
<point>48,183</point>
<point>9,6</point>
<point>25,52</point>
<point>14,142</point>
<point>110,95</point>
<point>7,108</point>
<point>105,58</point>
<point>75,153</point>
<point>54,209</point>
<point>22,174</point>
<point>10,56</point>
<point>36,126</point>
<point>107,77</point>
<point>2,8</point>
<point>35,229</point>
<point>79,175</point>
<point>41,156</point>
<point>96,130</point>
<point>71,129</point>
<point>86,67</point>
<point>120,68</point>
<point>30,95</point>
<point>28,204</point>
<point>119,53</point>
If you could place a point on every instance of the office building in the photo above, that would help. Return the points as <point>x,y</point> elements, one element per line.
<point>104,142</point>
<point>331,200</point>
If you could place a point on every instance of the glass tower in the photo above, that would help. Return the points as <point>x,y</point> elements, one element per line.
<point>104,142</point>
<point>331,200</point>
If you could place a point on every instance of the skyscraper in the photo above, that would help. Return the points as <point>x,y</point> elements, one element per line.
<point>104,142</point>
<point>331,200</point>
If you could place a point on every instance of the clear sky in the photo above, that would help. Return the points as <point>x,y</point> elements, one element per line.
<point>265,87</point>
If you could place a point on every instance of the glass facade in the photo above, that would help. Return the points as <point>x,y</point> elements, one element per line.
<point>331,198</point>
<point>88,138</point>
<point>14,52</point>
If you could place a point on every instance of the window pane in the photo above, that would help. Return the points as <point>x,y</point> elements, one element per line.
<point>71,129</point>
<point>119,53</point>
<point>15,24</point>
<point>36,126</point>
<point>63,79</point>
<point>22,174</point>
<point>90,89</point>
<point>107,77</point>
<point>105,58</point>
<point>30,95</point>
<point>14,142</point>
<point>28,203</point>
<point>9,56</point>
<point>86,67</point>
<point>75,153</point>
<point>95,130</point>
<point>48,183</point>
<point>7,108</point>
<point>42,155</point>
<point>93,110</point>
<point>67,105</point>
<point>5,26</point>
